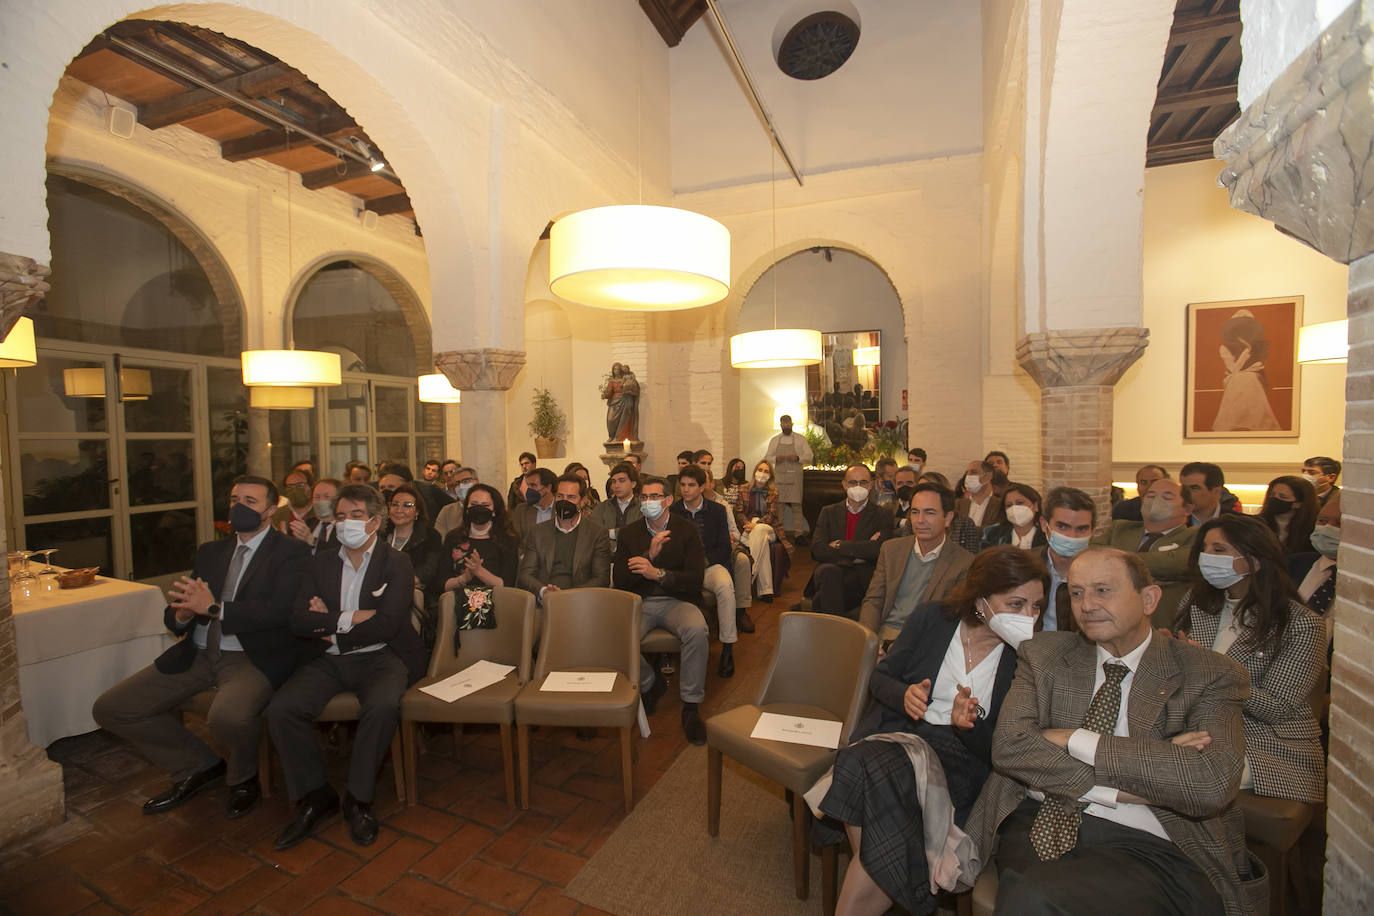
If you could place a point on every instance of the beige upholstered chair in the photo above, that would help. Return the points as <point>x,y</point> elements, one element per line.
<point>820,670</point>
<point>585,629</point>
<point>509,643</point>
<point>344,707</point>
<point>199,705</point>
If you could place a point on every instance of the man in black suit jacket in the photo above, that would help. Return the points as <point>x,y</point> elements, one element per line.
<point>568,551</point>
<point>845,546</point>
<point>233,612</point>
<point>354,607</point>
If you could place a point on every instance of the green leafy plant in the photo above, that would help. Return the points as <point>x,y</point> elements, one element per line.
<point>548,418</point>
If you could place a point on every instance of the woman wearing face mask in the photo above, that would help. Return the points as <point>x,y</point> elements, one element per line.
<point>733,480</point>
<point>943,681</point>
<point>756,515</point>
<point>1021,508</point>
<point>482,550</point>
<point>408,530</point>
<point>1243,605</point>
<point>1290,511</point>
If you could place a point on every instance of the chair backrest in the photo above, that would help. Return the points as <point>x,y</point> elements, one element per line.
<point>590,628</point>
<point>510,642</point>
<point>822,660</point>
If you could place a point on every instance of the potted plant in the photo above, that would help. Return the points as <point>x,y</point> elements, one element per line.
<point>546,423</point>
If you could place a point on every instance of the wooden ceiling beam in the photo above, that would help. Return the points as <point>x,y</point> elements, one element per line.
<point>343,170</point>
<point>673,18</point>
<point>1178,151</point>
<point>1188,29</point>
<point>385,206</point>
<point>196,102</point>
<point>275,140</point>
<point>184,36</point>
<point>1188,99</point>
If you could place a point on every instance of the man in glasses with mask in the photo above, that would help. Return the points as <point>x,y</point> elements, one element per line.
<point>353,607</point>
<point>1067,518</point>
<point>568,551</point>
<point>233,613</point>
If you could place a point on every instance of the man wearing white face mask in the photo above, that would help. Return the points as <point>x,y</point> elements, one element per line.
<point>1315,572</point>
<point>354,608</point>
<point>1067,517</point>
<point>980,506</point>
<point>847,539</point>
<point>1163,539</point>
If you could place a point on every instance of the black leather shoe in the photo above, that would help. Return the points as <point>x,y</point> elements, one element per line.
<point>744,622</point>
<point>242,798</point>
<point>183,790</point>
<point>317,807</point>
<point>727,661</point>
<point>766,599</point>
<point>362,823</point>
<point>692,725</point>
<point>654,694</point>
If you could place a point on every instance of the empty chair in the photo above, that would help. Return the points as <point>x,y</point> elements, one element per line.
<point>819,671</point>
<point>585,629</point>
<point>508,643</point>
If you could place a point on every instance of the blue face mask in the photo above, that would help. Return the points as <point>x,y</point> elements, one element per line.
<point>1067,547</point>
<point>463,489</point>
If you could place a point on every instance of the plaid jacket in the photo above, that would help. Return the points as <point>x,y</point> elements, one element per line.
<point>1178,687</point>
<point>1282,739</point>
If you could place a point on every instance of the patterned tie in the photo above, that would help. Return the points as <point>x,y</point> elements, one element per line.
<point>1320,602</point>
<point>231,582</point>
<point>1148,541</point>
<point>1055,830</point>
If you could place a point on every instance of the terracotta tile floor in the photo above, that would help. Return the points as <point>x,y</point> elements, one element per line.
<point>462,849</point>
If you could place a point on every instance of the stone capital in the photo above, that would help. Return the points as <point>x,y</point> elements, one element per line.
<point>482,369</point>
<point>1086,356</point>
<point>1301,154</point>
<point>23,283</point>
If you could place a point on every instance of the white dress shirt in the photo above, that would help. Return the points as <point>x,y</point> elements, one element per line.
<point>976,510</point>
<point>231,643</point>
<point>350,592</point>
<point>953,675</point>
<point>1025,542</point>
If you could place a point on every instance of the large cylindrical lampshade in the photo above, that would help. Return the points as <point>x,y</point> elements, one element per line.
<point>775,349</point>
<point>639,258</point>
<point>18,349</point>
<point>281,398</point>
<point>286,368</point>
<point>1325,342</point>
<point>436,389</point>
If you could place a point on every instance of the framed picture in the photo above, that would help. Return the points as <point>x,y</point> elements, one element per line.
<point>1243,369</point>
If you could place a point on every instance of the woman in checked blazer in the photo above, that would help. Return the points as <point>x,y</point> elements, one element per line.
<point>1244,605</point>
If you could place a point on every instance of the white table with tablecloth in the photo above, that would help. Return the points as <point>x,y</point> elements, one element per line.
<point>75,643</point>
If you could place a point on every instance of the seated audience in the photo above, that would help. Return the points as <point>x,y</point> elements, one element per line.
<point>660,558</point>
<point>905,481</point>
<point>741,565</point>
<point>451,516</point>
<point>621,506</point>
<point>1163,541</point>
<point>568,551</point>
<point>1290,510</point>
<point>1315,571</point>
<point>758,515</point>
<point>1121,803</point>
<point>1068,519</point>
<point>965,533</point>
<point>592,497</point>
<point>845,545</point>
<point>999,462</point>
<point>1021,511</point>
<point>979,505</point>
<point>318,527</point>
<point>684,458</point>
<point>296,488</point>
<point>537,506</point>
<point>916,460</point>
<point>1243,605</point>
<point>357,472</point>
<point>1207,494</point>
<point>398,473</point>
<point>733,481</point>
<point>916,569</point>
<point>942,681</point>
<point>884,481</point>
<point>354,608</point>
<point>1129,509</point>
<point>408,530</point>
<point>1322,473</point>
<point>710,519</point>
<point>482,550</point>
<point>516,495</point>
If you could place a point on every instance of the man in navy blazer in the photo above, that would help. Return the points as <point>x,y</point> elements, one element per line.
<point>353,608</point>
<point>233,613</point>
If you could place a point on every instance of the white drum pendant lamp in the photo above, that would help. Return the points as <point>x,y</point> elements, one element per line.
<point>281,398</point>
<point>290,368</point>
<point>435,389</point>
<point>775,349</point>
<point>639,258</point>
<point>1325,342</point>
<point>18,349</point>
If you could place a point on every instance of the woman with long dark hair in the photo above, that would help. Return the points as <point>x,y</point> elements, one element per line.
<point>1290,510</point>
<point>1021,509</point>
<point>760,523</point>
<point>1243,605</point>
<point>942,681</point>
<point>408,530</point>
<point>482,550</point>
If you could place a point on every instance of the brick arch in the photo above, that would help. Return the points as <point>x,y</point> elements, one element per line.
<point>412,309</point>
<point>228,302</point>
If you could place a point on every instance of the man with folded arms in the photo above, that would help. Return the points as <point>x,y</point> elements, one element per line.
<point>234,614</point>
<point>660,558</point>
<point>845,545</point>
<point>1117,759</point>
<point>567,551</point>
<point>354,607</point>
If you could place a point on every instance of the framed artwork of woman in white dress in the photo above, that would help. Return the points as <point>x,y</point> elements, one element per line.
<point>1242,380</point>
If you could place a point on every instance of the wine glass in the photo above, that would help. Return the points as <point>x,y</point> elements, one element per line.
<point>24,584</point>
<point>48,569</point>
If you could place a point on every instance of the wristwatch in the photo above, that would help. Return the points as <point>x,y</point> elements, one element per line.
<point>661,574</point>
<point>214,610</point>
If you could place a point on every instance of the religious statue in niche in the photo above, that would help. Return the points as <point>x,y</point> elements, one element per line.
<point>621,393</point>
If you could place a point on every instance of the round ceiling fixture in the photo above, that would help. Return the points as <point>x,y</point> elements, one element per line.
<point>818,45</point>
<point>776,348</point>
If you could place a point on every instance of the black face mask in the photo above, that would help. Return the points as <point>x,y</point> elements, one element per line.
<point>480,515</point>
<point>905,492</point>
<point>737,475</point>
<point>244,518</point>
<point>564,509</point>
<point>1276,506</point>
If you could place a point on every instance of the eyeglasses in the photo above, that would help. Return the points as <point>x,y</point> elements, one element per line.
<point>397,505</point>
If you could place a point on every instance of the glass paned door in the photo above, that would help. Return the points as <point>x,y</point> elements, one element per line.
<point>157,406</point>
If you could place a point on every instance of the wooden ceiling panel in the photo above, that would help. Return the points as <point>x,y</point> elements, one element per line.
<point>304,159</point>
<point>367,187</point>
<point>122,78</point>
<point>1196,95</point>
<point>223,125</point>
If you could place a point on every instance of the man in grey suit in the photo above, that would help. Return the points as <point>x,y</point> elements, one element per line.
<point>1118,754</point>
<point>922,566</point>
<point>568,551</point>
